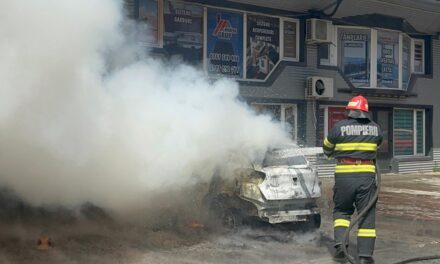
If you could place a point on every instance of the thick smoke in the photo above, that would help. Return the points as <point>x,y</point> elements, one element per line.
<point>75,127</point>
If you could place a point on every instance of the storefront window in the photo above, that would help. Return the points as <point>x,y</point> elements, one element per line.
<point>290,120</point>
<point>396,57</point>
<point>403,132</point>
<point>419,56</point>
<point>284,113</point>
<point>420,125</point>
<point>290,39</point>
<point>354,55</point>
<point>149,17</point>
<point>268,109</point>
<point>406,62</point>
<point>409,132</point>
<point>382,119</point>
<point>183,31</point>
<point>330,115</point>
<point>335,114</point>
<point>324,54</point>
<point>387,59</point>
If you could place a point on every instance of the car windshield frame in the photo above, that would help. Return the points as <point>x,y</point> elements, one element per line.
<point>271,160</point>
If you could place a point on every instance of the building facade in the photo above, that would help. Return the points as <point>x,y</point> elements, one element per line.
<point>302,62</point>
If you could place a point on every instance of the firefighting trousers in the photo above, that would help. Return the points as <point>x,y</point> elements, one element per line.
<point>354,191</point>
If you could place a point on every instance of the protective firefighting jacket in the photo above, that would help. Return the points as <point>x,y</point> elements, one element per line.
<point>354,138</point>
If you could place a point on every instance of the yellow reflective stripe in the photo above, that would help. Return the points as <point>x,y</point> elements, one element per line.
<point>328,143</point>
<point>367,233</point>
<point>342,222</point>
<point>356,147</point>
<point>343,168</point>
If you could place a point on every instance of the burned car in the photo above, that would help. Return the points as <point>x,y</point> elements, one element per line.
<point>281,188</point>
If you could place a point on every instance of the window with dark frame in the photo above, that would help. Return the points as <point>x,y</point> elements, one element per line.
<point>324,54</point>
<point>354,55</point>
<point>396,57</point>
<point>409,132</point>
<point>419,56</point>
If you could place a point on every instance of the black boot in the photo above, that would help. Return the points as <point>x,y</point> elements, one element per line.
<point>339,255</point>
<point>366,260</point>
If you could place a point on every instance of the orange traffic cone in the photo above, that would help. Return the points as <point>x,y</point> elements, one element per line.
<point>44,243</point>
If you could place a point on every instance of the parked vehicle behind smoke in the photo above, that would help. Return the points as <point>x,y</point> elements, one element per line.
<point>281,188</point>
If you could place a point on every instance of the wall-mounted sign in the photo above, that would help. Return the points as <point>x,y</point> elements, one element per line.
<point>225,43</point>
<point>387,59</point>
<point>183,31</point>
<point>354,55</point>
<point>263,46</point>
<point>290,35</point>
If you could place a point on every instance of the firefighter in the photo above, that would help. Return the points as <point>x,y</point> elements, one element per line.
<point>353,142</point>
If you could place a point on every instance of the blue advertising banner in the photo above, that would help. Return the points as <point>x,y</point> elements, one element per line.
<point>387,59</point>
<point>263,46</point>
<point>225,43</point>
<point>183,32</point>
<point>354,55</point>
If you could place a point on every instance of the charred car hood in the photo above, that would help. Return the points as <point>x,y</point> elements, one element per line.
<point>290,182</point>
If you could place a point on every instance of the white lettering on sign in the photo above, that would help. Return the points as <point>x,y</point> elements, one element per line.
<point>263,23</point>
<point>263,31</point>
<point>183,20</point>
<point>357,130</point>
<point>182,12</point>
<point>354,37</point>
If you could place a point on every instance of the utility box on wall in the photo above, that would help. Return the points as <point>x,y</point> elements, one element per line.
<point>319,87</point>
<point>318,31</point>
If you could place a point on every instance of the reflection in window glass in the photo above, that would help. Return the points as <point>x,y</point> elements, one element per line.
<point>406,62</point>
<point>290,39</point>
<point>289,116</point>
<point>324,54</point>
<point>149,26</point>
<point>286,114</point>
<point>419,56</point>
<point>382,121</point>
<point>403,132</point>
<point>273,110</point>
<point>387,59</point>
<point>271,160</point>
<point>183,31</point>
<point>354,55</point>
<point>420,132</point>
<point>335,114</point>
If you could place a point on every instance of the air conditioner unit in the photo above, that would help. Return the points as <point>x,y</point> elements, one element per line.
<point>319,87</point>
<point>318,31</point>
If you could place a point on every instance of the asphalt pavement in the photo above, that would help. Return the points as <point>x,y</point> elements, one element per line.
<point>408,225</point>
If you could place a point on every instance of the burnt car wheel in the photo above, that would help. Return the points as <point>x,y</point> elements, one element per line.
<point>314,221</point>
<point>230,219</point>
<point>221,212</point>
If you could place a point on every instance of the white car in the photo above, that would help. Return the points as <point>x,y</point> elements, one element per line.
<point>282,188</point>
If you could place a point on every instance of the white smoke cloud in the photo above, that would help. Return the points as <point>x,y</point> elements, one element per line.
<point>73,131</point>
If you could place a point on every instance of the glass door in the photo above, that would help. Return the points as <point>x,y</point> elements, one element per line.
<point>383,117</point>
<point>288,115</point>
<point>284,113</point>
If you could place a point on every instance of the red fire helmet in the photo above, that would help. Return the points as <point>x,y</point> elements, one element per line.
<point>358,103</point>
